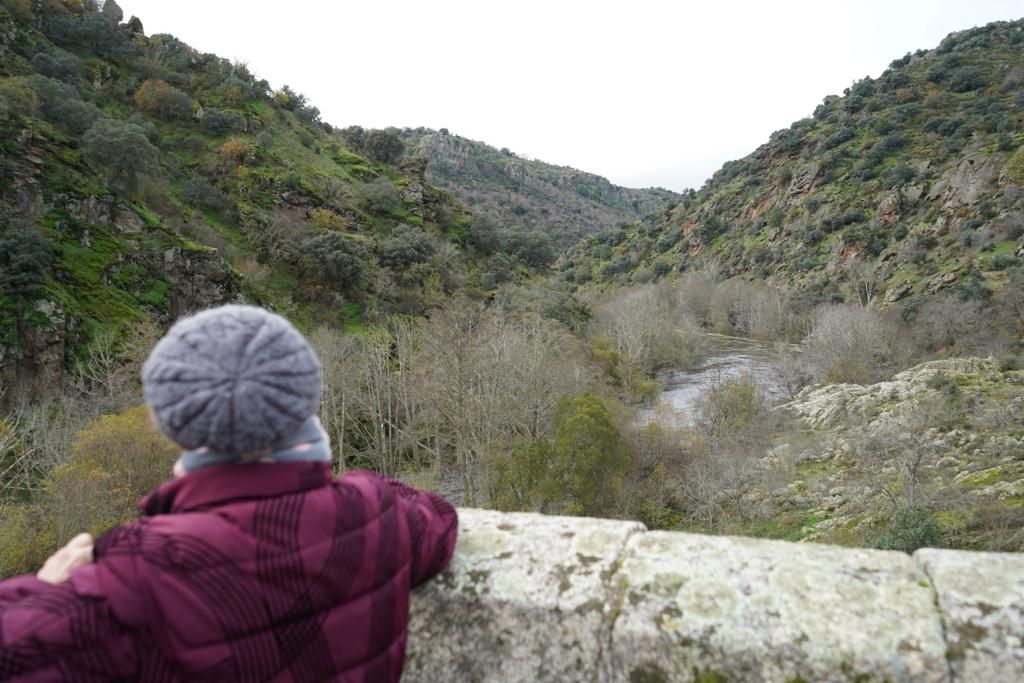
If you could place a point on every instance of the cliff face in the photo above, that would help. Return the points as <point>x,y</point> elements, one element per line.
<point>560,201</point>
<point>918,174</point>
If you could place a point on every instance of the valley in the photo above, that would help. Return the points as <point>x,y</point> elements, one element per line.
<point>823,343</point>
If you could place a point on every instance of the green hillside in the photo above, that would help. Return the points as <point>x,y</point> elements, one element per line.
<point>527,194</point>
<point>140,178</point>
<point>916,175</point>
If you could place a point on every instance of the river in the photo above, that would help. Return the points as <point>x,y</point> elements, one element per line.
<point>724,357</point>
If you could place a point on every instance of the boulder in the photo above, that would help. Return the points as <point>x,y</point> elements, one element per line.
<point>889,208</point>
<point>135,26</point>
<point>112,11</point>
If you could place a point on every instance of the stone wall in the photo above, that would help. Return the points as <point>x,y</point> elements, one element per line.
<point>536,598</point>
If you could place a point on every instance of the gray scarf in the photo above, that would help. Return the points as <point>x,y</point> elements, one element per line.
<point>309,443</point>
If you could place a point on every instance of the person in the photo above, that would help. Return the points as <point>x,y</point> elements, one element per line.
<point>253,563</point>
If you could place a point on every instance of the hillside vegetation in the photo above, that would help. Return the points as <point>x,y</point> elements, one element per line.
<point>915,176</point>
<point>507,189</point>
<point>140,179</point>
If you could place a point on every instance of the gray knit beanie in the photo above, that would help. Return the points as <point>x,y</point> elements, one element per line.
<point>233,379</point>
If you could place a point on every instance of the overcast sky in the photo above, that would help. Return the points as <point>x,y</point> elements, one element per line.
<point>642,92</point>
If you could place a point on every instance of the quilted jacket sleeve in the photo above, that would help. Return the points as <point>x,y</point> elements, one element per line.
<point>57,632</point>
<point>17,587</point>
<point>433,526</point>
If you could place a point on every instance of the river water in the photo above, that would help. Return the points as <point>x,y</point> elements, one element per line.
<point>724,357</point>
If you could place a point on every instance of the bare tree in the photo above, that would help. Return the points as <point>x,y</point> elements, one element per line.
<point>865,281</point>
<point>336,352</point>
<point>897,454</point>
<point>848,344</point>
<point>369,405</point>
<point>645,331</point>
<point>107,380</point>
<point>543,362</point>
<point>791,369</point>
<point>455,373</point>
<point>17,463</point>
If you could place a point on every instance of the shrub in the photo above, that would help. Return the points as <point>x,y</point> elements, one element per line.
<point>114,461</point>
<point>213,122</point>
<point>642,276</point>
<point>233,152</point>
<point>581,472</point>
<point>711,227</point>
<point>121,150</point>
<point>93,32</point>
<point>381,196</point>
<point>17,97</point>
<point>729,406</point>
<point>1003,261</point>
<point>901,174</point>
<point>61,65</point>
<point>837,138</point>
<point>967,79</point>
<point>666,242</point>
<point>354,137</point>
<point>200,193</point>
<point>533,247</point>
<point>60,104</point>
<point>406,246</point>
<point>848,344</point>
<point>384,146</point>
<point>1008,362</point>
<point>911,527</point>
<point>297,103</point>
<point>325,220</point>
<point>126,447</point>
<point>235,91</point>
<point>848,217</point>
<point>939,381</point>
<point>25,260</point>
<point>333,260</point>
<point>162,99</point>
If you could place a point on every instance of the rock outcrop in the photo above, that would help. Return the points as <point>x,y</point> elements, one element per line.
<point>961,416</point>
<point>199,279</point>
<point>535,598</point>
<point>966,183</point>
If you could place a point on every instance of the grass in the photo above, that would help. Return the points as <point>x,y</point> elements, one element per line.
<point>783,526</point>
<point>810,472</point>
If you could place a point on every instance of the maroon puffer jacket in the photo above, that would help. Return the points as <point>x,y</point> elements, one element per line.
<point>238,573</point>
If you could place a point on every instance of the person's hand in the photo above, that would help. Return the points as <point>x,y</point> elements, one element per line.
<point>58,568</point>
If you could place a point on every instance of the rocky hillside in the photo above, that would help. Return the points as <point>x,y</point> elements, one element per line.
<point>945,435</point>
<point>513,191</point>
<point>916,175</point>
<point>140,178</point>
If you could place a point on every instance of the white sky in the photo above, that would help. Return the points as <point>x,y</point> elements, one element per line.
<point>642,92</point>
